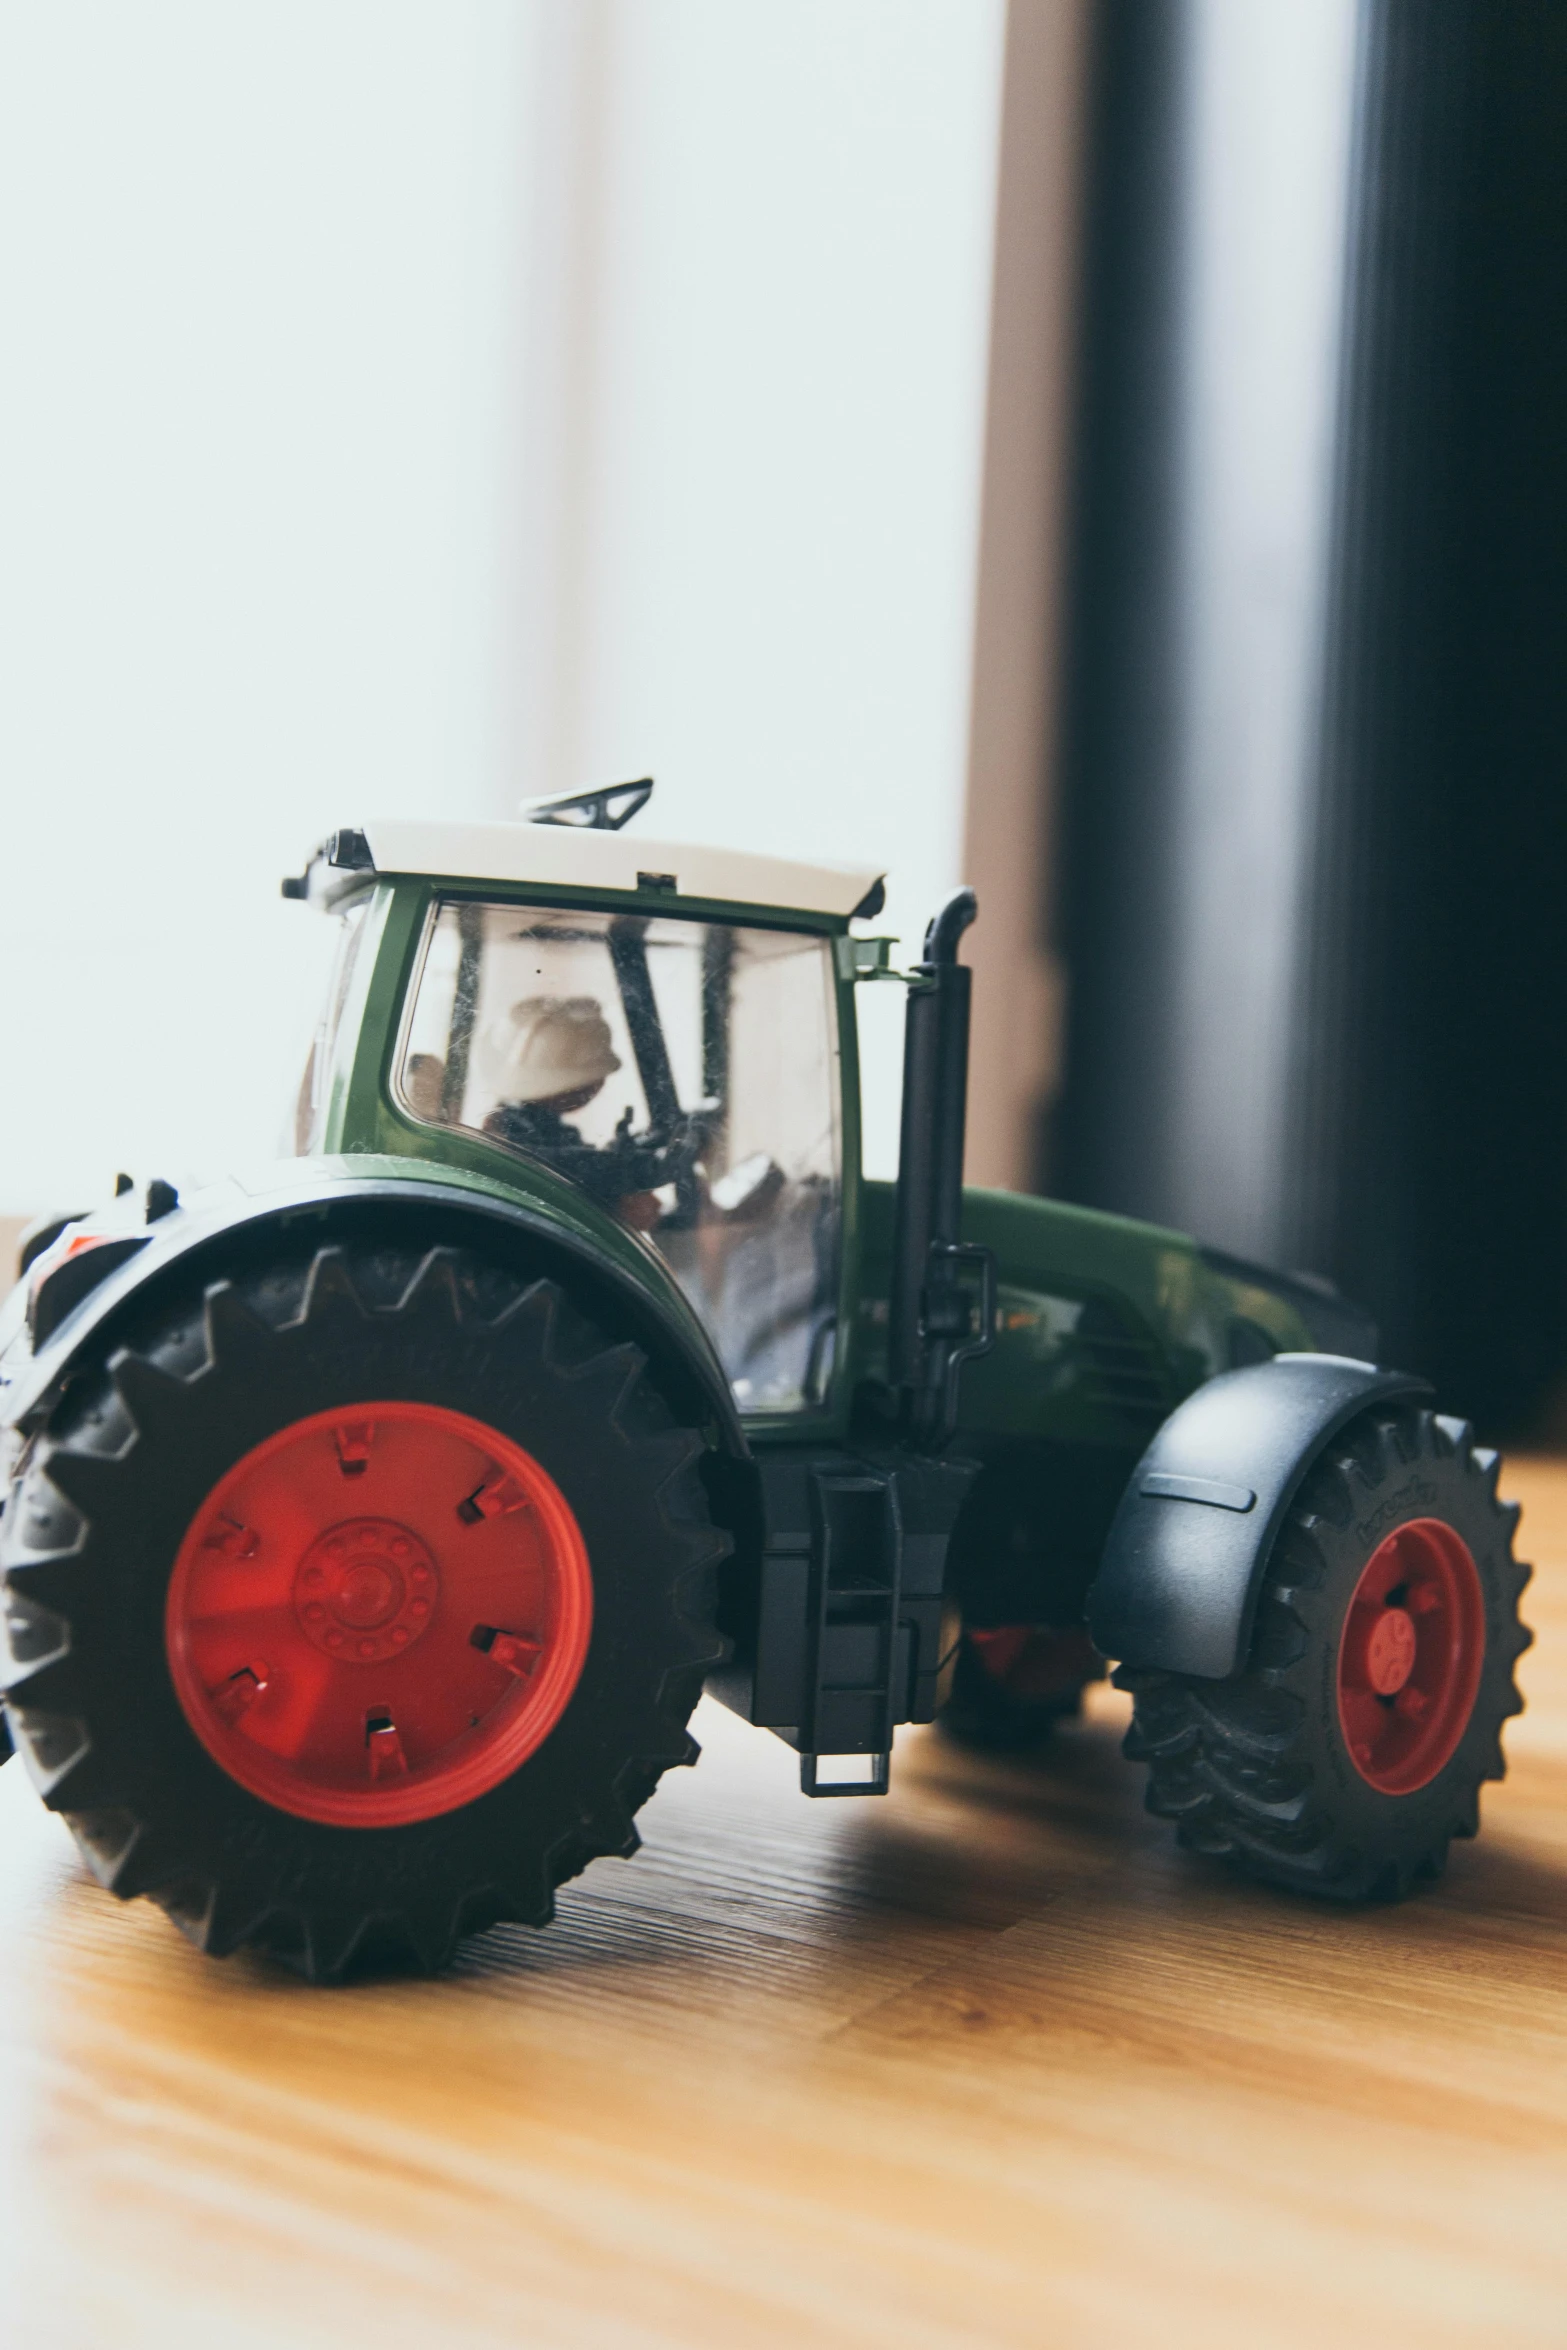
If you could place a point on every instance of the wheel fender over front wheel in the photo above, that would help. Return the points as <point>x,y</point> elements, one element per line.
<point>1352,1744</point>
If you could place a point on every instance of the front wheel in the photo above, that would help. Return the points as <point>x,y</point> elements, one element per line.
<point>356,1603</point>
<point>1354,1744</point>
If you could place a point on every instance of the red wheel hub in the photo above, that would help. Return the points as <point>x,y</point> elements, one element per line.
<point>1032,1662</point>
<point>377,1615</point>
<point>365,1589</point>
<point>1410,1657</point>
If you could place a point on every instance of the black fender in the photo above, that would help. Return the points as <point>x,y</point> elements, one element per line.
<point>1177,1586</point>
<point>230,1225</point>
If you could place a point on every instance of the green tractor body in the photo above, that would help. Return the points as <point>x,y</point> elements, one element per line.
<point>577,1219</point>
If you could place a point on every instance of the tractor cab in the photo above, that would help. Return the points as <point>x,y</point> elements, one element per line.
<point>666,1030</point>
<point>682,1073</point>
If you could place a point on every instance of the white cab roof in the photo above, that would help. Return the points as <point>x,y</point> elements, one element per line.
<point>574,857</point>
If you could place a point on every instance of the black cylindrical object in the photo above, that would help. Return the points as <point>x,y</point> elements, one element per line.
<point>1378,1091</point>
<point>1427,1159</point>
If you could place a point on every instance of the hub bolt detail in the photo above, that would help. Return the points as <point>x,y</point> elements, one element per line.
<point>365,1589</point>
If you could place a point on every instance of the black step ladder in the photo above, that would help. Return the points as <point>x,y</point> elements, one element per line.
<point>857,1653</point>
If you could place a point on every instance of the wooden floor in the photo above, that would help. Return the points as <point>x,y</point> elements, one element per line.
<point>985,2063</point>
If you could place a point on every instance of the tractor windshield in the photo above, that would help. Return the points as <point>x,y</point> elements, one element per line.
<point>684,1074</point>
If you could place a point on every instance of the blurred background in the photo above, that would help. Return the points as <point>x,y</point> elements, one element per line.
<point>1110,451</point>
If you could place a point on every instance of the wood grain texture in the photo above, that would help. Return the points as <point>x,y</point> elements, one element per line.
<point>987,2062</point>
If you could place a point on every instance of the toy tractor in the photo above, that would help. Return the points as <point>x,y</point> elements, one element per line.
<point>376,1521</point>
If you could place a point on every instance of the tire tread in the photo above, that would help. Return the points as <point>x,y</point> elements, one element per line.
<point>1249,1794</point>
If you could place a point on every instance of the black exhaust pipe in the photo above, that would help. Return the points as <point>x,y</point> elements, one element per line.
<point>932,1328</point>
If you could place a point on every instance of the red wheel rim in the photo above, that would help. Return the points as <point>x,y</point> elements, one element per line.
<point>1410,1657</point>
<point>378,1614</point>
<point>1034,1663</point>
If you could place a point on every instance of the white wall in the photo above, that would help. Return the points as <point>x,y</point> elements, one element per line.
<point>256,271</point>
<point>759,504</point>
<point>406,408</point>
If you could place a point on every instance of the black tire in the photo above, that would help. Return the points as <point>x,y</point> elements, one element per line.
<point>40,1234</point>
<point>1009,1708</point>
<point>1256,1769</point>
<point>103,1500</point>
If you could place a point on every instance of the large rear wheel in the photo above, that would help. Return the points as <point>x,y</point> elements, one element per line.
<point>1354,1744</point>
<point>357,1603</point>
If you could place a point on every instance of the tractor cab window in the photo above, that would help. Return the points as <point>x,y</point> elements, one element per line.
<point>684,1075</point>
<point>310,1103</point>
